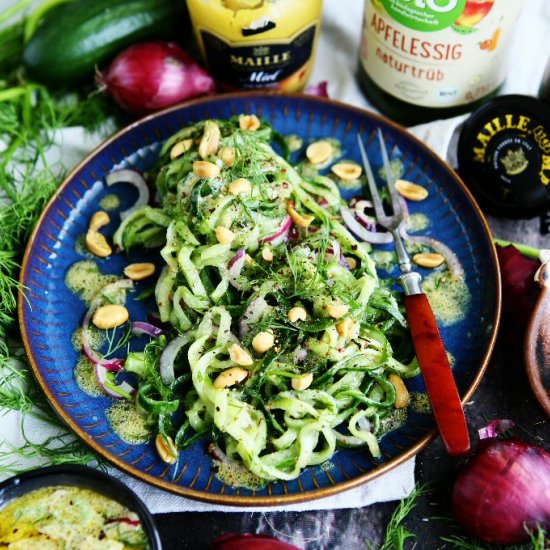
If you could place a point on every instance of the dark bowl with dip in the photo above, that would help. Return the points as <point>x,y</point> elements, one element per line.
<point>73,475</point>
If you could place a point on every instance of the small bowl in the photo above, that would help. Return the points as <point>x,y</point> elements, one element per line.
<point>87,478</point>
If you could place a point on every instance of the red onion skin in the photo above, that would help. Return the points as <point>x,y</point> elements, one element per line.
<point>249,541</point>
<point>149,76</point>
<point>503,491</point>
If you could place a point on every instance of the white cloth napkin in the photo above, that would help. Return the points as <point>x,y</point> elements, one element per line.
<point>336,63</point>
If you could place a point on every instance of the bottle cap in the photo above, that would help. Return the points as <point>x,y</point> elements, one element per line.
<point>504,156</point>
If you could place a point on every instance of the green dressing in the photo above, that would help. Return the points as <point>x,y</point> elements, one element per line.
<point>449,296</point>
<point>85,377</point>
<point>109,202</point>
<point>235,474</point>
<point>128,423</point>
<point>85,279</point>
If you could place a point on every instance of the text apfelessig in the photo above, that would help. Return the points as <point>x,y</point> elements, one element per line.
<point>412,46</point>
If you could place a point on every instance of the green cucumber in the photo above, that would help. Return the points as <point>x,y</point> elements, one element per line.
<point>76,37</point>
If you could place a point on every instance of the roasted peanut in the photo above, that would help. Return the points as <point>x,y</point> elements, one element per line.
<point>166,448</point>
<point>240,356</point>
<point>345,328</point>
<point>267,254</point>
<point>411,191</point>
<point>210,140</point>
<point>227,154</point>
<point>249,122</point>
<point>97,244</point>
<point>224,235</point>
<point>263,341</point>
<point>302,220</point>
<point>139,271</point>
<point>205,169</point>
<point>240,186</point>
<point>297,314</point>
<point>110,316</point>
<point>319,152</point>
<point>180,147</point>
<point>401,392</point>
<point>352,262</point>
<point>348,171</point>
<point>428,259</point>
<point>337,310</point>
<point>230,377</point>
<point>302,382</point>
<point>99,220</point>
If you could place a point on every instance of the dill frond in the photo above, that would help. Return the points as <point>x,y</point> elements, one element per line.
<point>396,533</point>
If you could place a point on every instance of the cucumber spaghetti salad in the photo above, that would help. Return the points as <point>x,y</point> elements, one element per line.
<point>279,343</point>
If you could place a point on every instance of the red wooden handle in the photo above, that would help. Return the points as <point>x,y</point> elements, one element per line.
<point>437,374</point>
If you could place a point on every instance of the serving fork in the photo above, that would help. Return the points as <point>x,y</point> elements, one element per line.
<point>428,345</point>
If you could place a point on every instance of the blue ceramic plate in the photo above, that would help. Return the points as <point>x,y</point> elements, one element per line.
<point>51,312</point>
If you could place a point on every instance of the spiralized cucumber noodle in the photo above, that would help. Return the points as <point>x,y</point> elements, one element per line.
<point>238,258</point>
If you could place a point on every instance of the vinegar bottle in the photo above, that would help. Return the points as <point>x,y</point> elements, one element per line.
<point>422,60</point>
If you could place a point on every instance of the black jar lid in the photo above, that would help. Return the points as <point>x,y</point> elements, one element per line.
<point>504,155</point>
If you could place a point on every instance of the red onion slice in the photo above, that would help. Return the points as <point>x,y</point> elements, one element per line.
<point>132,522</point>
<point>335,250</point>
<point>374,237</point>
<point>281,232</point>
<point>320,89</point>
<point>368,222</point>
<point>141,327</point>
<point>101,375</point>
<point>114,365</point>
<point>168,358</point>
<point>496,428</point>
<point>235,266</point>
<point>128,175</point>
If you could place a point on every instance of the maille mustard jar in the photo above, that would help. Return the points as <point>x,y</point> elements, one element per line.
<point>504,156</point>
<point>426,59</point>
<point>248,44</point>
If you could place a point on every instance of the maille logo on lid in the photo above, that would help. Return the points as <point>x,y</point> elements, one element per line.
<point>504,155</point>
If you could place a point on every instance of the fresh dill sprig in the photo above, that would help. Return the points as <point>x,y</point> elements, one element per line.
<point>117,339</point>
<point>20,392</point>
<point>396,533</point>
<point>61,448</point>
<point>30,118</point>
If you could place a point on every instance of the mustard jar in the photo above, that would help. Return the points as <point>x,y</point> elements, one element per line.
<point>248,44</point>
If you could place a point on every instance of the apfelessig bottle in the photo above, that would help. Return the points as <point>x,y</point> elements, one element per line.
<point>426,59</point>
<point>248,44</point>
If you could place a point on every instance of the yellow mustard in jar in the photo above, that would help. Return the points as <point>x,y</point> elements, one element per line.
<point>249,44</point>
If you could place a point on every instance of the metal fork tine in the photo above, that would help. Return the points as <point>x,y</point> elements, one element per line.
<point>376,200</point>
<point>396,202</point>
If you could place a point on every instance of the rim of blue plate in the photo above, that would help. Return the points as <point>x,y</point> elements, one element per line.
<point>273,500</point>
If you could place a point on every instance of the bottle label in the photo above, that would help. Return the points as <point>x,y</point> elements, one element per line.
<point>282,64</point>
<point>438,53</point>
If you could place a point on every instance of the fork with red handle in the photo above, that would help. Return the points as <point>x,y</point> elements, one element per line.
<point>428,345</point>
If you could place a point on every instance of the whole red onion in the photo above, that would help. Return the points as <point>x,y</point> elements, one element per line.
<point>503,492</point>
<point>249,541</point>
<point>149,76</point>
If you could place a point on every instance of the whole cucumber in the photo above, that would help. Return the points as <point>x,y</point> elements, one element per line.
<point>76,37</point>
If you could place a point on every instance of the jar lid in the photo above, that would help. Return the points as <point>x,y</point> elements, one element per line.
<point>504,155</point>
